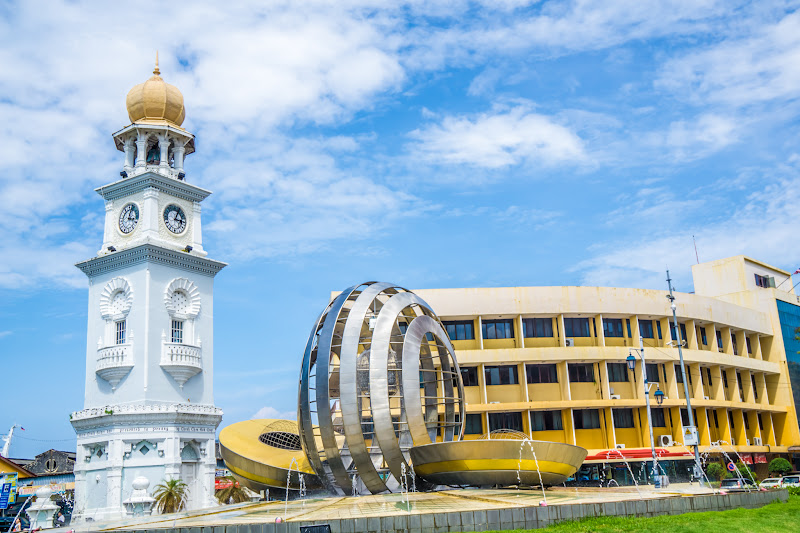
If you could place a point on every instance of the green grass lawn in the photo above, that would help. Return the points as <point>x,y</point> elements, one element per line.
<point>774,517</point>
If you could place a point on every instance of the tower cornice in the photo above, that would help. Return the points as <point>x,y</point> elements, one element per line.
<point>148,180</point>
<point>152,254</point>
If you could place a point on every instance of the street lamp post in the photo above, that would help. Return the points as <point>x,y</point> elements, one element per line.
<point>659,395</point>
<point>698,470</point>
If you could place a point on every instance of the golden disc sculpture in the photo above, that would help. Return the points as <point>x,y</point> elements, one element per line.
<point>379,376</point>
<point>260,454</point>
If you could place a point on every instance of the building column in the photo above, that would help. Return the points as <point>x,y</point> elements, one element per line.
<point>666,332</point>
<point>179,150</point>
<point>601,334</point>
<point>129,145</point>
<point>711,337</point>
<point>691,334</point>
<point>727,345</point>
<point>563,379</point>
<point>141,148</point>
<point>562,336</point>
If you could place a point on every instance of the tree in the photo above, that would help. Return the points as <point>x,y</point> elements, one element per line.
<point>170,495</point>
<point>717,471</point>
<point>746,472</point>
<point>234,493</point>
<point>779,466</point>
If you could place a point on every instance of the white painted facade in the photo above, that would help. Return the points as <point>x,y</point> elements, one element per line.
<point>149,405</point>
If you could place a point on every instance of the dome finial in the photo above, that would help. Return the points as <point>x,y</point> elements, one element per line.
<point>156,71</point>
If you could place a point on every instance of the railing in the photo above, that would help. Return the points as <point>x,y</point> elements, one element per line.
<point>114,356</point>
<point>182,354</point>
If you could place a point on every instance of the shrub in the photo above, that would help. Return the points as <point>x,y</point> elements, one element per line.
<point>717,471</point>
<point>779,466</point>
<point>794,491</point>
<point>746,472</point>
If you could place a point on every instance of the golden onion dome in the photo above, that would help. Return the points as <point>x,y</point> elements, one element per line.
<point>156,101</point>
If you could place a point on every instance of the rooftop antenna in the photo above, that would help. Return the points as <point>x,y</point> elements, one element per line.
<point>695,248</point>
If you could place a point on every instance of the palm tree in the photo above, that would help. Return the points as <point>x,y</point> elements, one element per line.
<point>170,495</point>
<point>234,493</point>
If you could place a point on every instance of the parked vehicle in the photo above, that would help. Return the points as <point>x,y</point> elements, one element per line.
<point>771,483</point>
<point>791,481</point>
<point>735,484</point>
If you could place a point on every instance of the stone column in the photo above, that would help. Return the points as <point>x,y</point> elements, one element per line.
<point>129,145</point>
<point>179,151</point>
<point>163,145</point>
<point>141,148</point>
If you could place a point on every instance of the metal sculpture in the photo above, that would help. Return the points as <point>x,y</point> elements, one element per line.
<point>379,376</point>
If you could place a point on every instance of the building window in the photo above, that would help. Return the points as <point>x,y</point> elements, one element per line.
<point>586,418</point>
<point>724,379</point>
<point>749,348</point>
<point>719,340</point>
<point>581,372</point>
<point>576,327</point>
<point>177,331</point>
<point>473,424</point>
<point>730,421</point>
<point>646,329</point>
<point>657,415</point>
<point>703,336</point>
<point>658,327</point>
<point>617,372</point>
<point>120,332</point>
<point>537,327</point>
<point>652,372</point>
<point>501,375</point>
<point>367,426</point>
<point>612,327</point>
<point>623,418</point>
<point>505,421</point>
<point>708,372</point>
<point>760,422</point>
<point>460,330</point>
<point>498,329</point>
<point>545,373</point>
<point>716,420</point>
<point>674,335</point>
<point>755,389</point>
<point>746,421</point>
<point>546,421</point>
<point>733,345</point>
<point>469,375</point>
<point>741,385</point>
<point>765,281</point>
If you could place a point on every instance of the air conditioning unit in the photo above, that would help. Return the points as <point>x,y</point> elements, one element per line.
<point>706,398</point>
<point>615,396</point>
<point>665,440</point>
<point>620,446</point>
<point>569,342</point>
<point>757,441</point>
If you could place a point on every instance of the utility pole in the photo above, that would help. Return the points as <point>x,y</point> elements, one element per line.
<point>698,470</point>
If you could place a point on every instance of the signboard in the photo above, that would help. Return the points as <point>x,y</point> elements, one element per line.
<point>760,457</point>
<point>8,490</point>
<point>747,458</point>
<point>731,467</point>
<point>30,490</point>
<point>690,436</point>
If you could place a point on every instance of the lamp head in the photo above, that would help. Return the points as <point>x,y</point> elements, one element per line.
<point>631,360</point>
<point>659,394</point>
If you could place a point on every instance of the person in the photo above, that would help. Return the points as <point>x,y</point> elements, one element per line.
<point>60,519</point>
<point>17,525</point>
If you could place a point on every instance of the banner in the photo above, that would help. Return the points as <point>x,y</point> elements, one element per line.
<point>8,490</point>
<point>760,457</point>
<point>747,458</point>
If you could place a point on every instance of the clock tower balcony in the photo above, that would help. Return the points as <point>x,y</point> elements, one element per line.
<point>181,361</point>
<point>114,363</point>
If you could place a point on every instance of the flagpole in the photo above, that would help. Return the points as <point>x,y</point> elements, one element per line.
<point>790,277</point>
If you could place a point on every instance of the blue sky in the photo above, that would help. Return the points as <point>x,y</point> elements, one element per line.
<point>431,144</point>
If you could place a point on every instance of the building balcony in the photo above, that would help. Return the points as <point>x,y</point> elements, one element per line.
<point>114,363</point>
<point>181,361</point>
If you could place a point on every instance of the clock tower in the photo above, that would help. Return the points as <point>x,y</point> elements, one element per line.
<point>149,405</point>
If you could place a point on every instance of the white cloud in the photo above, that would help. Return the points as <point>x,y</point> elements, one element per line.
<point>271,412</point>
<point>498,139</point>
<point>5,333</point>
<point>741,71</point>
<point>763,226</point>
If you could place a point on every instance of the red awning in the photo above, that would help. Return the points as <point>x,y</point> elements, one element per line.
<point>635,453</point>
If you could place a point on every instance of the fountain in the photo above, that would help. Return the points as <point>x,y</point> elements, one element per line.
<point>355,485</point>
<point>404,485</point>
<point>288,476</point>
<point>636,483</point>
<point>140,503</point>
<point>718,445</point>
<point>41,512</point>
<point>702,470</point>
<point>535,460</point>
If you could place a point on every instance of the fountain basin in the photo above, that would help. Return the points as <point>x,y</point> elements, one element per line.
<point>259,454</point>
<point>496,462</point>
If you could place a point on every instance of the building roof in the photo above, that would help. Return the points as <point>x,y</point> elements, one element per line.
<point>7,466</point>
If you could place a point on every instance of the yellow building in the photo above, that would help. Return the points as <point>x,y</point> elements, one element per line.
<point>550,361</point>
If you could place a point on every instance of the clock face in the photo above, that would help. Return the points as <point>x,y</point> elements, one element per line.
<point>174,219</point>
<point>128,218</point>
